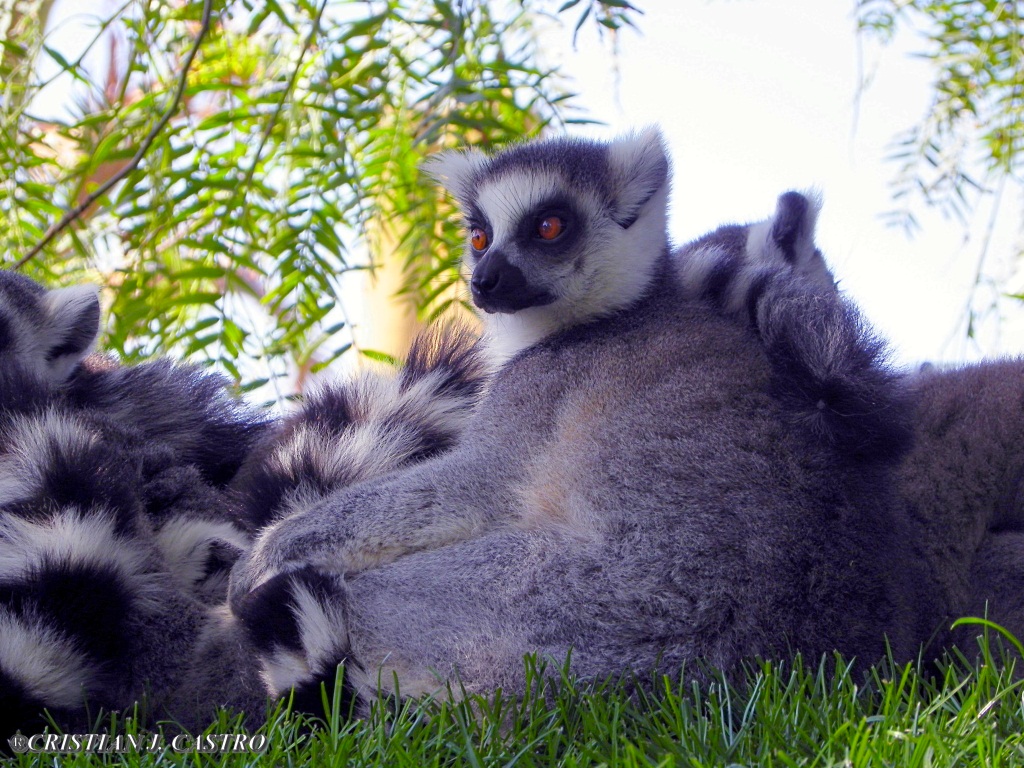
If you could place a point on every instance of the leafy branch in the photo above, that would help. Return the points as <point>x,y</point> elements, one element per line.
<point>220,181</point>
<point>147,141</point>
<point>969,145</point>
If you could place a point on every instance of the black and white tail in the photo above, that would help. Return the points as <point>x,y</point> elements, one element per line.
<point>298,623</point>
<point>345,433</point>
<point>354,430</point>
<point>830,370</point>
<point>731,266</point>
<point>74,565</point>
<point>114,529</point>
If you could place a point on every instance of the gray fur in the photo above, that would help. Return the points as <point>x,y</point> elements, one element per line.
<point>961,482</point>
<point>634,485</point>
<point>963,486</point>
<point>117,505</point>
<point>828,367</point>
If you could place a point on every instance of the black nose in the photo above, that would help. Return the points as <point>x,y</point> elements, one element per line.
<point>485,284</point>
<point>499,286</point>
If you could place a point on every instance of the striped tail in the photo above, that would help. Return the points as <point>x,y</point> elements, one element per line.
<point>355,430</point>
<point>830,371</point>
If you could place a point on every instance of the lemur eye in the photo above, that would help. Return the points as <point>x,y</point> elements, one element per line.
<point>478,239</point>
<point>550,227</point>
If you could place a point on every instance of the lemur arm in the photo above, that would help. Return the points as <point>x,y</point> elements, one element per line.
<point>374,523</point>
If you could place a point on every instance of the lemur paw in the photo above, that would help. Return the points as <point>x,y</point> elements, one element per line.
<point>283,547</point>
<point>298,623</point>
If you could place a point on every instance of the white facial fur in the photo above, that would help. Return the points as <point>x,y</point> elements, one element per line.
<point>617,270</point>
<point>612,264</point>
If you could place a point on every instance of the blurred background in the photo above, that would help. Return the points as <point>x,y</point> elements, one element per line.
<point>242,177</point>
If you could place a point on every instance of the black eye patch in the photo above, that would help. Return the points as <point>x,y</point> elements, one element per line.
<point>474,217</point>
<point>528,231</point>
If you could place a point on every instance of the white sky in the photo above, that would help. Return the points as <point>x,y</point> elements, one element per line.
<point>759,96</point>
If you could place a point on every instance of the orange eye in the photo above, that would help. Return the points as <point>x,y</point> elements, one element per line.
<point>550,227</point>
<point>478,239</point>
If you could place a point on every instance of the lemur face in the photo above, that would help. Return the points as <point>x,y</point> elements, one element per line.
<point>566,224</point>
<point>528,236</point>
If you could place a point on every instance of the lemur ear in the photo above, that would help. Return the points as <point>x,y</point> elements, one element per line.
<point>70,329</point>
<point>455,169</point>
<point>640,166</point>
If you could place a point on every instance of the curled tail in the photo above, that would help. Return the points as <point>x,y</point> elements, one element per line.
<point>73,571</point>
<point>298,623</point>
<point>829,370</point>
<point>66,602</point>
<point>354,430</point>
<point>95,612</point>
<point>108,513</point>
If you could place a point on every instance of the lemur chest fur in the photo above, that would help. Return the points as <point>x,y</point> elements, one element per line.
<point>629,414</point>
<point>559,484</point>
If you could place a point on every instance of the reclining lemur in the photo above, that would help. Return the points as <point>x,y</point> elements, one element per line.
<point>120,518</point>
<point>962,481</point>
<point>694,460</point>
<point>678,457</point>
<point>114,534</point>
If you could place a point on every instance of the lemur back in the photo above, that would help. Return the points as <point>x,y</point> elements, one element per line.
<point>961,482</point>
<point>650,478</point>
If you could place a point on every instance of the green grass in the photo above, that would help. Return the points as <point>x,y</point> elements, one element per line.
<point>960,713</point>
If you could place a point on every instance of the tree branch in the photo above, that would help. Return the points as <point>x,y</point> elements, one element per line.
<point>75,213</point>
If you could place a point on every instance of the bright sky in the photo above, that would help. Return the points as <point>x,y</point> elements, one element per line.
<point>756,97</point>
<point>759,96</point>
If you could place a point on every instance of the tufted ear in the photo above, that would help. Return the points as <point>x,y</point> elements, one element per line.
<point>455,170</point>
<point>70,328</point>
<point>639,167</point>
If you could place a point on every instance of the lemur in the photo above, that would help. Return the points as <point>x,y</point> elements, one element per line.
<point>354,430</point>
<point>122,504</point>
<point>962,480</point>
<point>657,472</point>
<point>114,536</point>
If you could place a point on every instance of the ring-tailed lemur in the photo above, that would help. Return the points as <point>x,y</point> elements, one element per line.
<point>114,531</point>
<point>962,481</point>
<point>646,481</point>
<point>115,515</point>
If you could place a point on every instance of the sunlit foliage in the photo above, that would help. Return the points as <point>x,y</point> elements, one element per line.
<point>266,146</point>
